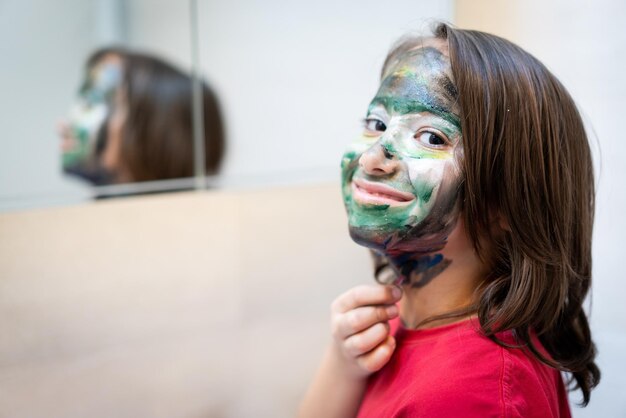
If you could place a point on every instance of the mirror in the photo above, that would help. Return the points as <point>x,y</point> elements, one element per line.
<point>81,72</point>
<point>291,96</point>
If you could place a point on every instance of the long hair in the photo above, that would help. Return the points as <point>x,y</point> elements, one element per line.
<point>157,135</point>
<point>527,198</point>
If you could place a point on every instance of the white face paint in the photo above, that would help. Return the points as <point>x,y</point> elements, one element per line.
<point>87,115</point>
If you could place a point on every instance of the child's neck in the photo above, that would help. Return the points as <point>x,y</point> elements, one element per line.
<point>443,295</point>
<point>451,289</point>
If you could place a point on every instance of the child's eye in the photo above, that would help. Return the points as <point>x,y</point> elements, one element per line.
<point>375,125</point>
<point>431,139</point>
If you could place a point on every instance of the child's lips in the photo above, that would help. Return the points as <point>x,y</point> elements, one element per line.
<point>374,193</point>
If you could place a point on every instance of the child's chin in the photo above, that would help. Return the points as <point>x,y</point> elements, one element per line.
<point>374,238</point>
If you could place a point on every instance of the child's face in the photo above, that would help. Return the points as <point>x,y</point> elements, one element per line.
<point>89,112</point>
<point>401,177</point>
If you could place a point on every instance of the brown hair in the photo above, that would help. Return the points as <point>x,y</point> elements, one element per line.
<point>157,136</point>
<point>526,165</point>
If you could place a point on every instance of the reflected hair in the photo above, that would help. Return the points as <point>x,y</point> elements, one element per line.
<point>157,135</point>
<point>527,199</point>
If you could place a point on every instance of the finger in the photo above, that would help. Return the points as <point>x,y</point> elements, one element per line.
<point>375,359</point>
<point>361,318</point>
<point>367,295</point>
<point>367,340</point>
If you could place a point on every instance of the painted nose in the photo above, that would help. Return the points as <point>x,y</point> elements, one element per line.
<point>378,161</point>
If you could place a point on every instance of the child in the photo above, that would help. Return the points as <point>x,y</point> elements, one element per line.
<point>473,183</point>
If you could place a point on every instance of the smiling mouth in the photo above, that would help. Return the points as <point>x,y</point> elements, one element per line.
<point>371,193</point>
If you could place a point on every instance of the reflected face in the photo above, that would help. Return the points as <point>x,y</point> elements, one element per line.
<point>400,179</point>
<point>79,133</point>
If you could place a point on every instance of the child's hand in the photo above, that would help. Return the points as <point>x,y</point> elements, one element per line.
<point>360,327</point>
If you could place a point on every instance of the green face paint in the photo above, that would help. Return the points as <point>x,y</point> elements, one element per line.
<point>89,113</point>
<point>400,179</point>
<point>84,122</point>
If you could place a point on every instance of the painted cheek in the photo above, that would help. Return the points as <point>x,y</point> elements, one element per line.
<point>349,162</point>
<point>347,158</point>
<point>425,175</point>
<point>84,123</point>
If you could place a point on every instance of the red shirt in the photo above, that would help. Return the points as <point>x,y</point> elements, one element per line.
<point>453,371</point>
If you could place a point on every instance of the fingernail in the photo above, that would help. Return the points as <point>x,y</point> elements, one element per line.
<point>396,292</point>
<point>392,310</point>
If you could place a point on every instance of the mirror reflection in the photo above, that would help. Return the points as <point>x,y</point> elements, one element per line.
<point>132,121</point>
<point>106,97</point>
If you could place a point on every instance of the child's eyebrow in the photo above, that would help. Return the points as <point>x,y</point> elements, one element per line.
<point>403,106</point>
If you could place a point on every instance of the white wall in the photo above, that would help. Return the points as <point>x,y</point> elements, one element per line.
<point>584,44</point>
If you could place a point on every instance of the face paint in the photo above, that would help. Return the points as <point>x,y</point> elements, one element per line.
<point>400,180</point>
<point>88,114</point>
